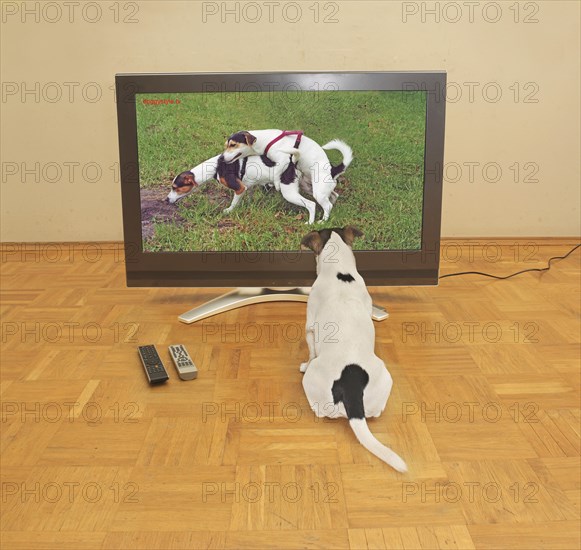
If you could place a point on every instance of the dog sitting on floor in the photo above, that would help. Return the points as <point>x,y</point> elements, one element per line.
<point>343,377</point>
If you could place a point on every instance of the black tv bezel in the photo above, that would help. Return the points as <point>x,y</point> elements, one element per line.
<point>277,269</point>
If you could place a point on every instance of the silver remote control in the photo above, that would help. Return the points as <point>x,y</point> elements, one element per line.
<point>183,362</point>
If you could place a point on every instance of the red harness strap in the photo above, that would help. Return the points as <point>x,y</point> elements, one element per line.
<point>298,133</point>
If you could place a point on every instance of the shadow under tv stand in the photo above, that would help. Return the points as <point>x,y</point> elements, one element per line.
<point>246,296</point>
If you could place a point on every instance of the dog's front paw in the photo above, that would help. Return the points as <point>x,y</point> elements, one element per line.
<point>227,210</point>
<point>304,366</point>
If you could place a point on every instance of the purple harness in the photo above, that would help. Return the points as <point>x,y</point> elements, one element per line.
<point>298,133</point>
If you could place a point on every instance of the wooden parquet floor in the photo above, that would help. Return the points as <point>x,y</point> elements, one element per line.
<point>485,410</point>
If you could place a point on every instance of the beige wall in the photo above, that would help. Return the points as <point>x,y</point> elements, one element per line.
<point>170,36</point>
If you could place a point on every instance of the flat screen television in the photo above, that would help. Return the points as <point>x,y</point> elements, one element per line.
<point>221,174</point>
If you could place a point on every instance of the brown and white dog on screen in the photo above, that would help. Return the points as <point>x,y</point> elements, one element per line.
<point>240,176</point>
<point>311,159</point>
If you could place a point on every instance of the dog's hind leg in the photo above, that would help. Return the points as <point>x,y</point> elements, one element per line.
<point>326,205</point>
<point>323,188</point>
<point>292,195</point>
<point>310,336</point>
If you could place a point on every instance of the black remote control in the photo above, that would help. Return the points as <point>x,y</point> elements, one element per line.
<point>152,364</point>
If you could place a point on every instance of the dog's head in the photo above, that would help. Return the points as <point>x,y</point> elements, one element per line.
<point>239,145</point>
<point>317,241</point>
<point>183,184</point>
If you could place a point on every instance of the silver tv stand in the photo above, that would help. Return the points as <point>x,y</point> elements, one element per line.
<point>246,296</point>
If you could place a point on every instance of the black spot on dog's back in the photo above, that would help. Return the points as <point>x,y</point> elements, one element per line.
<point>335,170</point>
<point>345,277</point>
<point>349,389</point>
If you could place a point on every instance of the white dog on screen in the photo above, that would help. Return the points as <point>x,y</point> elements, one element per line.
<point>277,145</point>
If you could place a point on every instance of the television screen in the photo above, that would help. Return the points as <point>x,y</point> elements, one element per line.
<point>223,174</point>
<point>371,171</point>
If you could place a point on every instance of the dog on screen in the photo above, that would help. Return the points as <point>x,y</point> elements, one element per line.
<point>255,171</point>
<point>311,159</point>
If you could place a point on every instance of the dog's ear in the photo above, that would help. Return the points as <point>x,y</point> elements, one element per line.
<point>250,139</point>
<point>313,242</point>
<point>350,233</point>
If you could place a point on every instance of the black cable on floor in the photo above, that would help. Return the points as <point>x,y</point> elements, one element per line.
<point>514,274</point>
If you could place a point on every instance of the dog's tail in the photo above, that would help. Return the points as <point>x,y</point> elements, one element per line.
<point>349,390</point>
<point>347,153</point>
<point>295,153</point>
